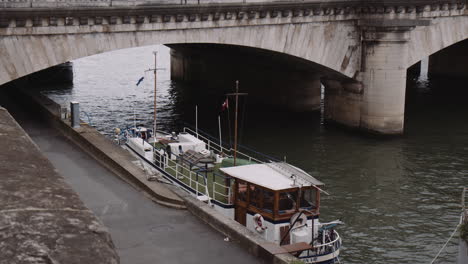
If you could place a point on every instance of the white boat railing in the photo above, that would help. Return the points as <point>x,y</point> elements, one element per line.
<point>192,179</point>
<point>329,247</point>
<point>211,145</point>
<point>227,189</point>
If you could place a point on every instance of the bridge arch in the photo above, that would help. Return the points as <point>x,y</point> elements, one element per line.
<point>442,33</point>
<point>327,44</point>
<point>372,43</point>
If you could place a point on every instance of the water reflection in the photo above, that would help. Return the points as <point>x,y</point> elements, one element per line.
<point>398,197</point>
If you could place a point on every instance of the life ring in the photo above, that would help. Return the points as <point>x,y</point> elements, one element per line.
<point>259,223</point>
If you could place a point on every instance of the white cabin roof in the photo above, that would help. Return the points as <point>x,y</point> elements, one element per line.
<point>186,142</point>
<point>266,176</point>
<point>187,138</point>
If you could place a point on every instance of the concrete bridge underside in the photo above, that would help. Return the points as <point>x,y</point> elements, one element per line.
<point>363,49</point>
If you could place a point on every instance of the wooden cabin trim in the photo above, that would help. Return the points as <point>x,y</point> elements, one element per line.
<point>298,199</point>
<point>317,199</point>
<point>247,193</point>
<point>265,214</point>
<point>276,205</point>
<point>240,202</point>
<point>289,189</point>
<point>274,215</point>
<point>234,192</point>
<point>227,185</point>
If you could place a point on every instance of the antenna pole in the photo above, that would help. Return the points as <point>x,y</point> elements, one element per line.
<point>220,138</point>
<point>155,81</point>
<point>235,122</point>
<point>236,94</point>
<point>196,120</point>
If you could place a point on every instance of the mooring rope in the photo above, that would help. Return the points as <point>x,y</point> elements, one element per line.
<point>446,243</point>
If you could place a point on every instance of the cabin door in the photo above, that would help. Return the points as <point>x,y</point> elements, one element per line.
<point>241,214</point>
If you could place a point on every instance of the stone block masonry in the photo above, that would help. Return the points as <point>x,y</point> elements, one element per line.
<point>42,220</point>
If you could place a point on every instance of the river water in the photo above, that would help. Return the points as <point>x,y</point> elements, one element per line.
<point>399,197</point>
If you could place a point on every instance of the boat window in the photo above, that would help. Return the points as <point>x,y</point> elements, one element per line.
<point>255,195</point>
<point>268,201</point>
<point>287,202</point>
<point>261,198</point>
<point>241,191</point>
<point>309,198</point>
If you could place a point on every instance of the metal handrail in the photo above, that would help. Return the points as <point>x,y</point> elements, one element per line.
<point>194,133</point>
<point>211,143</point>
<point>215,140</point>
<point>198,185</point>
<point>219,193</point>
<point>292,225</point>
<point>332,242</point>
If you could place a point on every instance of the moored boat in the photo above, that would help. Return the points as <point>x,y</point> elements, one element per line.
<point>273,198</point>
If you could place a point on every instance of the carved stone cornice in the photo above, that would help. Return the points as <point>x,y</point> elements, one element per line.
<point>105,12</point>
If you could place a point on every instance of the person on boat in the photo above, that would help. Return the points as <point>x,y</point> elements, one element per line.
<point>174,137</point>
<point>169,151</point>
<point>287,203</point>
<point>181,151</point>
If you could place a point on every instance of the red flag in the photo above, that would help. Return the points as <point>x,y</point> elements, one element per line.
<point>225,105</point>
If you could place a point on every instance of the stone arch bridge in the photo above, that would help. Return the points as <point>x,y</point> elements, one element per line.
<point>362,48</point>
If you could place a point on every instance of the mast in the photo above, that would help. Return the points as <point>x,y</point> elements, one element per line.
<point>236,94</point>
<point>235,122</point>
<point>220,137</point>
<point>155,82</point>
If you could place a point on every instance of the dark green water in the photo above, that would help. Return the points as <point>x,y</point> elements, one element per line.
<point>398,197</point>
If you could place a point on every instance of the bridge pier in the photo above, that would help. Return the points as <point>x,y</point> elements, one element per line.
<point>343,103</point>
<point>376,102</point>
<point>385,49</point>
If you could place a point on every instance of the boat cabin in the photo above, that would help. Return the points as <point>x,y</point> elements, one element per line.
<point>276,191</point>
<point>184,142</point>
<point>141,132</point>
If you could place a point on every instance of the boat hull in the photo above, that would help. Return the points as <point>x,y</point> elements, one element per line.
<point>228,211</point>
<point>332,257</point>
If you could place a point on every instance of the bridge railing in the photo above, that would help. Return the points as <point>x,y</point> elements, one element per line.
<point>123,3</point>
<point>109,3</point>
